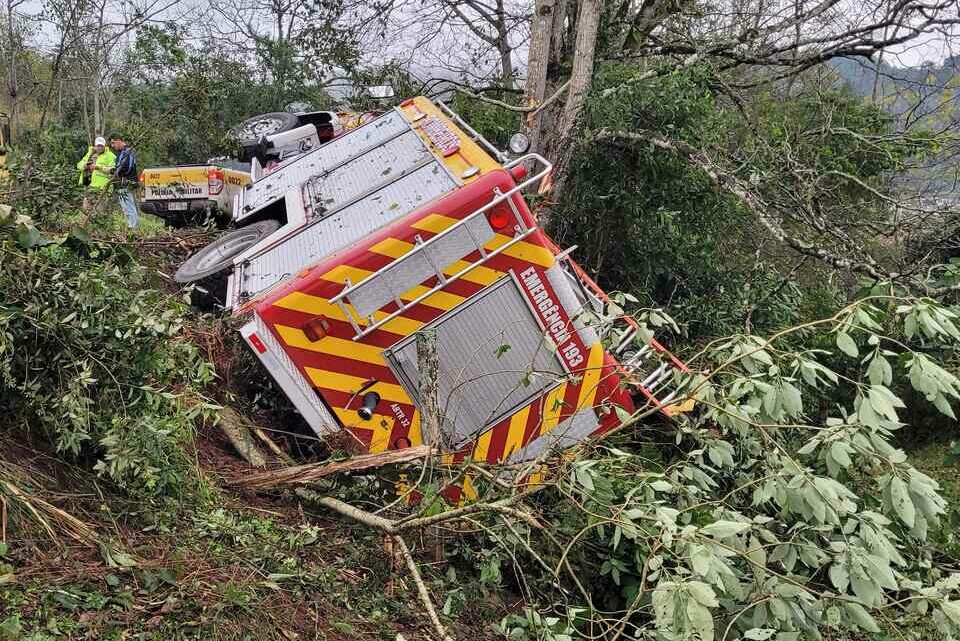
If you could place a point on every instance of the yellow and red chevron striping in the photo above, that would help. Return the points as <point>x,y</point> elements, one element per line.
<point>340,368</point>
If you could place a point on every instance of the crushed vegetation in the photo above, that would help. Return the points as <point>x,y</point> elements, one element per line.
<point>123,511</point>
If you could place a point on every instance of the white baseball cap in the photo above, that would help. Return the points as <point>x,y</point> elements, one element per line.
<point>100,140</point>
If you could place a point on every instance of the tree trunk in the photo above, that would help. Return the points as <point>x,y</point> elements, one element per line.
<point>506,61</point>
<point>503,46</point>
<point>541,37</point>
<point>588,23</point>
<point>97,127</point>
<point>12,88</point>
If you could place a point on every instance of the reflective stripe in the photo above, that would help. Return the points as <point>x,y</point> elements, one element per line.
<point>395,248</point>
<point>518,425</point>
<point>300,302</point>
<point>591,377</point>
<point>525,251</point>
<point>440,300</point>
<point>552,406</point>
<point>350,384</point>
<point>483,445</point>
<point>332,345</point>
<point>380,439</point>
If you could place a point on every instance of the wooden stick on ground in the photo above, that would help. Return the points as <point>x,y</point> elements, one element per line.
<point>301,474</point>
<point>236,430</point>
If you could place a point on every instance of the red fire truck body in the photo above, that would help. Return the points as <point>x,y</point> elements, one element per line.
<point>414,222</point>
<point>508,317</point>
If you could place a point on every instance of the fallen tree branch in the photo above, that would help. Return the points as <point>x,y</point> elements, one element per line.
<point>301,474</point>
<point>735,186</point>
<point>272,446</point>
<point>421,588</point>
<point>239,434</point>
<point>532,110</point>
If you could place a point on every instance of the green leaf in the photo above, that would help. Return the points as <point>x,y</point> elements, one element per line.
<point>861,618</point>
<point>702,593</point>
<point>952,610</point>
<point>880,372</point>
<point>701,621</point>
<point>900,498</point>
<point>11,627</point>
<point>839,577</point>
<point>700,559</point>
<point>791,399</point>
<point>847,345</point>
<point>759,634</point>
<point>723,529</point>
<point>840,453</point>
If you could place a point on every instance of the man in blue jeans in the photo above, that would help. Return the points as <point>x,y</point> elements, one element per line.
<point>125,178</point>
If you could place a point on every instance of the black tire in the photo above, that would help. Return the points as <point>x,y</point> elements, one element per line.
<point>208,269</point>
<point>252,130</point>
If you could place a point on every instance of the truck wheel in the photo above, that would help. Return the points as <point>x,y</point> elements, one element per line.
<point>250,131</point>
<point>208,268</point>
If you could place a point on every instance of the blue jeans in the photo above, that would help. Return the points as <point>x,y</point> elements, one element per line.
<point>129,206</point>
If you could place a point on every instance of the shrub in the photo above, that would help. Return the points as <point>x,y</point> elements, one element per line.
<point>90,357</point>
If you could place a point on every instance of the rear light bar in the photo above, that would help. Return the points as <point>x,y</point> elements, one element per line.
<point>214,181</point>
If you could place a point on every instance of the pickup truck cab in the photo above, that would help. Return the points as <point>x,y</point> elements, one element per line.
<point>185,195</point>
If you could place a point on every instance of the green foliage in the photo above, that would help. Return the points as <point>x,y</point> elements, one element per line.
<point>91,357</point>
<point>650,222</point>
<point>766,518</point>
<point>196,94</point>
<point>494,123</point>
<point>43,178</point>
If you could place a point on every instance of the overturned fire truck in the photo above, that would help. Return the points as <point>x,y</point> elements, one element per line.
<point>414,221</point>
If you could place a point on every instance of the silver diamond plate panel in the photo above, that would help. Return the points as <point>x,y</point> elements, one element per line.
<point>570,432</point>
<point>274,185</point>
<point>487,346</point>
<point>346,182</point>
<point>340,230</point>
<point>419,264</point>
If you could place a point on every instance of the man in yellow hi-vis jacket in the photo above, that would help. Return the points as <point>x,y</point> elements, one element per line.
<point>96,168</point>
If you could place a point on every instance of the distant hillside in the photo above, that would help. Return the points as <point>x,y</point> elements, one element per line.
<point>927,92</point>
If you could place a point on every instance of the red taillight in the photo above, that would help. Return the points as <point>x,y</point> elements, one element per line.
<point>141,178</point>
<point>316,328</point>
<point>214,181</point>
<point>499,219</point>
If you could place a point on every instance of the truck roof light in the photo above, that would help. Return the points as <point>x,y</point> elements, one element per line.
<point>499,219</point>
<point>519,142</point>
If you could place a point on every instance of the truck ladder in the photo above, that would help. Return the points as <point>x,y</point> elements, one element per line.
<point>431,257</point>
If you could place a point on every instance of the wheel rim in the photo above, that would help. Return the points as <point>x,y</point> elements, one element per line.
<point>227,249</point>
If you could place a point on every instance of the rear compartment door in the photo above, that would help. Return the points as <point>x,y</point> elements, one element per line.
<point>493,359</point>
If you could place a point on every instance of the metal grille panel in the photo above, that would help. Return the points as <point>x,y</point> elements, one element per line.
<point>275,185</point>
<point>383,164</point>
<point>487,346</point>
<point>420,264</point>
<point>341,229</point>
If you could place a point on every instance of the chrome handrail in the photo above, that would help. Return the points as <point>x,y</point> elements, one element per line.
<point>498,198</point>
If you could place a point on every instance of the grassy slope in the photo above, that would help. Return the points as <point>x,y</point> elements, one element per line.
<point>225,564</point>
<point>221,565</point>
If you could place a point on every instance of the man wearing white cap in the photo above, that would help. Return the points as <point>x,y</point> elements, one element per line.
<point>97,165</point>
